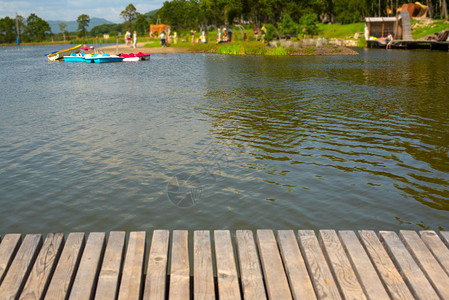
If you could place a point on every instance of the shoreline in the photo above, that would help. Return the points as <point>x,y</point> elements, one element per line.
<point>122,48</point>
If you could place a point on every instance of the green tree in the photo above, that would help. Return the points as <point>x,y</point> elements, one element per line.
<point>129,14</point>
<point>62,27</point>
<point>141,24</point>
<point>308,24</point>
<point>83,23</point>
<point>287,26</point>
<point>7,30</point>
<point>36,28</point>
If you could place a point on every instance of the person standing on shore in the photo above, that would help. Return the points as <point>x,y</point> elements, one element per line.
<point>134,39</point>
<point>256,32</point>
<point>163,44</point>
<point>192,33</point>
<point>264,31</point>
<point>126,37</point>
<point>219,35</point>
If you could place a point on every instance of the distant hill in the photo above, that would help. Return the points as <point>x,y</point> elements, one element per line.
<point>72,26</point>
<point>152,12</point>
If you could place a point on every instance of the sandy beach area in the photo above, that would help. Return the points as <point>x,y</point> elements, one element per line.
<point>122,48</point>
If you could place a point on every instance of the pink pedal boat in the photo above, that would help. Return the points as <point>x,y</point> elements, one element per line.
<point>135,57</point>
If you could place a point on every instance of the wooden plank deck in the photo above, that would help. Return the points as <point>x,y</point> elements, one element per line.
<point>222,264</point>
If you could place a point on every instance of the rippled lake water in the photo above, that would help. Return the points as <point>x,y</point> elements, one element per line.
<point>202,141</point>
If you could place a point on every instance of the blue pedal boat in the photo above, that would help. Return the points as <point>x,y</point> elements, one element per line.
<point>74,57</point>
<point>106,58</point>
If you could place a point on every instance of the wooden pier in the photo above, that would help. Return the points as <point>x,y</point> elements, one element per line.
<point>221,264</point>
<point>410,44</point>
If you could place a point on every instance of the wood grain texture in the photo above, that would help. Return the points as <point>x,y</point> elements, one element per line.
<point>427,262</point>
<point>130,286</point>
<point>203,276</point>
<point>396,286</point>
<point>8,247</point>
<point>295,267</point>
<point>319,271</point>
<point>157,266</point>
<point>43,268</point>
<point>108,280</point>
<point>86,276</point>
<point>250,270</point>
<point>273,269</point>
<point>371,283</point>
<point>410,271</point>
<point>341,266</point>
<point>64,274</point>
<point>438,248</point>
<point>180,267</point>
<point>445,237</point>
<point>228,281</point>
<point>15,278</point>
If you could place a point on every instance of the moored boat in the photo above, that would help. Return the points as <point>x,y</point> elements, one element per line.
<point>106,58</point>
<point>135,57</point>
<point>75,57</point>
<point>85,47</point>
<point>60,54</point>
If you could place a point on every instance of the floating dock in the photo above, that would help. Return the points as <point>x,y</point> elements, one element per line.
<point>222,264</point>
<point>400,44</point>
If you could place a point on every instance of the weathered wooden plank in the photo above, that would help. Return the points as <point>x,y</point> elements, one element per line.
<point>15,278</point>
<point>385,267</point>
<point>438,248</point>
<point>180,269</point>
<point>322,279</point>
<point>340,264</point>
<point>157,266</point>
<point>8,248</point>
<point>427,262</point>
<point>250,271</point>
<point>445,237</point>
<point>371,283</point>
<point>86,276</point>
<point>130,287</point>
<point>64,274</point>
<point>203,276</point>
<point>295,267</point>
<point>108,280</point>
<point>414,277</point>
<point>273,269</point>
<point>43,267</point>
<point>228,281</point>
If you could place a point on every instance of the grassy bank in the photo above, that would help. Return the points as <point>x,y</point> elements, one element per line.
<point>422,28</point>
<point>257,48</point>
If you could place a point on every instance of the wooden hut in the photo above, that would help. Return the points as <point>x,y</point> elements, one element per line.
<point>379,26</point>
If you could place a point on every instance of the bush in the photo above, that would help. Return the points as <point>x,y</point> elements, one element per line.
<point>309,24</point>
<point>287,26</point>
<point>271,33</point>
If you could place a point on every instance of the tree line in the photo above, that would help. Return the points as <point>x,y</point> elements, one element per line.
<point>185,14</point>
<point>192,14</point>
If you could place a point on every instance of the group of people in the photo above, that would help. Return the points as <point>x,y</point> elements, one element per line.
<point>262,33</point>
<point>224,35</point>
<point>128,39</point>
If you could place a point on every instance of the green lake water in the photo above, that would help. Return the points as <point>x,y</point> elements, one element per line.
<point>203,141</point>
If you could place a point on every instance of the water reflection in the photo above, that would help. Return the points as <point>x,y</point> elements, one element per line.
<point>368,115</point>
<point>197,141</point>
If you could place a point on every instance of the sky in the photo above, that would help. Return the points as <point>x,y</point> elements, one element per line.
<point>69,10</point>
